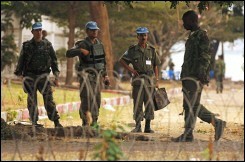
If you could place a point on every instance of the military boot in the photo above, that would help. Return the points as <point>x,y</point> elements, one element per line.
<point>148,126</point>
<point>35,124</point>
<point>84,122</point>
<point>57,124</point>
<point>187,136</point>
<point>137,127</point>
<point>95,123</point>
<point>219,126</point>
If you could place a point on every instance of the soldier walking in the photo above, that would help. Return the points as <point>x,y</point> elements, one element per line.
<point>91,69</point>
<point>219,72</point>
<point>145,63</point>
<point>194,75</point>
<point>36,58</point>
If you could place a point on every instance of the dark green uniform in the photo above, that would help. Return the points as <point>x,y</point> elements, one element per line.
<point>219,71</point>
<point>143,61</point>
<point>90,69</point>
<point>36,59</point>
<point>194,75</point>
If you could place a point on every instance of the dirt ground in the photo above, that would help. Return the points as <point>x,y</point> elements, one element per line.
<point>77,143</point>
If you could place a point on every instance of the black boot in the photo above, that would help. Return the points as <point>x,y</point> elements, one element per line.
<point>219,126</point>
<point>137,127</point>
<point>148,126</point>
<point>84,122</point>
<point>187,136</point>
<point>94,123</point>
<point>57,124</point>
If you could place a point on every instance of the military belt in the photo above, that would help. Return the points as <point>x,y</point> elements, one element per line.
<point>146,73</point>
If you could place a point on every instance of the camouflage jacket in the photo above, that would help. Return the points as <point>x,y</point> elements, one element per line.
<point>96,58</point>
<point>219,68</point>
<point>197,57</point>
<point>36,59</point>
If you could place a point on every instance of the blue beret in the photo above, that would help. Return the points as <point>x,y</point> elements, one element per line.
<point>37,25</point>
<point>141,30</point>
<point>91,25</point>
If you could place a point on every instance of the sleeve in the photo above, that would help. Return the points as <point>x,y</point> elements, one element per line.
<point>20,65</point>
<point>75,51</point>
<point>205,56</point>
<point>126,58</point>
<point>157,61</point>
<point>54,62</point>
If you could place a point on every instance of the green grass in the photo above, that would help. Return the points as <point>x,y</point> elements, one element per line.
<point>13,97</point>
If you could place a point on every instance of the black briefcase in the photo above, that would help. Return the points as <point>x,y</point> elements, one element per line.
<point>160,98</point>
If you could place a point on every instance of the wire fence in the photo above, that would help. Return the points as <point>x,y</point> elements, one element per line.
<point>74,142</point>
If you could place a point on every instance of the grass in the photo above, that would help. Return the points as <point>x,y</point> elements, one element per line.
<point>13,97</point>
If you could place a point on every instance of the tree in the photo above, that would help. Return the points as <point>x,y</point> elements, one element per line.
<point>99,14</point>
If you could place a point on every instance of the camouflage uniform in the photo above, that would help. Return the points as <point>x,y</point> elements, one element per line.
<point>36,59</point>
<point>143,61</point>
<point>194,74</point>
<point>90,69</point>
<point>219,71</point>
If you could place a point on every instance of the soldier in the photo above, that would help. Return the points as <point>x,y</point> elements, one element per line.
<point>194,75</point>
<point>36,58</point>
<point>44,35</point>
<point>91,68</point>
<point>145,63</point>
<point>219,72</point>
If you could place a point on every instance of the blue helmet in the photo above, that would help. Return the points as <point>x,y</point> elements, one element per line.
<point>91,25</point>
<point>37,25</point>
<point>141,30</point>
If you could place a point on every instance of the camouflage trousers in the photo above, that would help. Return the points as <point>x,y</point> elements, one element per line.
<point>143,95</point>
<point>192,91</point>
<point>90,95</point>
<point>42,84</point>
<point>219,83</point>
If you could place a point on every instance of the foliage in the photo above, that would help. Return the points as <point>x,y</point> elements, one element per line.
<point>26,11</point>
<point>108,149</point>
<point>61,54</point>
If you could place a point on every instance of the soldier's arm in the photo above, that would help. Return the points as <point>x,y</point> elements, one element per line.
<point>125,63</point>
<point>78,50</point>
<point>20,65</point>
<point>205,56</point>
<point>54,63</point>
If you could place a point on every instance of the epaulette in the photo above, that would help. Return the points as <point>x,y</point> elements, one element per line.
<point>151,46</point>
<point>78,42</point>
<point>132,46</point>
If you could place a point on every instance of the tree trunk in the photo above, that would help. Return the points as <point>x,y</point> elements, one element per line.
<point>99,14</point>
<point>71,37</point>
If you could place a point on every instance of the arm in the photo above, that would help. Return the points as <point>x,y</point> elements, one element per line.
<point>125,65</point>
<point>54,63</point>
<point>156,74</point>
<point>77,50</point>
<point>20,65</point>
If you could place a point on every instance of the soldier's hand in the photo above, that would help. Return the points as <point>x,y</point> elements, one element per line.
<point>157,84</point>
<point>107,81</point>
<point>84,51</point>
<point>56,82</point>
<point>135,73</point>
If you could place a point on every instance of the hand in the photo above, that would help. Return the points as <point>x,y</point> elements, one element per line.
<point>204,79</point>
<point>84,51</point>
<point>56,83</point>
<point>107,81</point>
<point>135,73</point>
<point>157,84</point>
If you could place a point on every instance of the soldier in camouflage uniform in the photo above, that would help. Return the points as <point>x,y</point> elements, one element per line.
<point>194,75</point>
<point>36,58</point>
<point>219,72</point>
<point>91,69</point>
<point>145,63</point>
